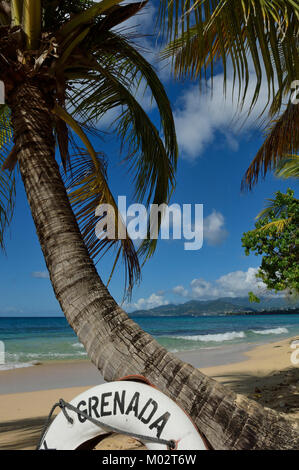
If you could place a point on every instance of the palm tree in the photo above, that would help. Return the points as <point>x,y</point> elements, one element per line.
<point>288,167</point>
<point>51,54</point>
<point>240,34</point>
<point>279,149</point>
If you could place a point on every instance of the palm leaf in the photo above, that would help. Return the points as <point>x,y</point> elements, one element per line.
<point>282,139</point>
<point>103,73</point>
<point>131,65</point>
<point>273,210</point>
<point>5,125</point>
<point>109,80</point>
<point>117,14</point>
<point>7,180</point>
<point>279,225</point>
<point>32,18</point>
<point>5,13</point>
<point>62,137</point>
<point>93,34</point>
<point>86,16</point>
<point>150,160</point>
<point>265,33</point>
<point>288,167</point>
<point>11,160</point>
<point>87,189</point>
<point>16,12</point>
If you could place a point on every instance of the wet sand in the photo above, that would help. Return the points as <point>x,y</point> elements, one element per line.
<point>65,374</point>
<point>264,373</point>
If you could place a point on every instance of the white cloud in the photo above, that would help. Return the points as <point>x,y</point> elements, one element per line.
<point>199,115</point>
<point>234,284</point>
<point>154,300</point>
<point>203,289</point>
<point>240,282</point>
<point>40,274</point>
<point>213,226</point>
<point>181,291</point>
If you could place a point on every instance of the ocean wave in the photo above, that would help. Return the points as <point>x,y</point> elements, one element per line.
<point>21,357</point>
<point>17,360</point>
<point>49,355</point>
<point>217,337</point>
<point>77,345</point>
<point>271,331</point>
<point>15,365</point>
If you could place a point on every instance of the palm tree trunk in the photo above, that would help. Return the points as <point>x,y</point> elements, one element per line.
<point>114,343</point>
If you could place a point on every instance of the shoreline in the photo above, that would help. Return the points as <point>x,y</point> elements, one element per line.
<point>200,358</point>
<point>49,375</point>
<point>263,373</point>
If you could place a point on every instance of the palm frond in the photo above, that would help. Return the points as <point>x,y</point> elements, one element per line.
<point>87,190</point>
<point>94,34</point>
<point>87,187</point>
<point>5,125</point>
<point>120,13</point>
<point>131,66</point>
<point>288,167</point>
<point>279,225</point>
<point>109,82</point>
<point>277,211</point>
<point>62,137</point>
<point>7,180</point>
<point>11,160</point>
<point>271,210</point>
<point>70,46</point>
<point>16,12</point>
<point>32,22</point>
<point>151,161</point>
<point>86,16</point>
<point>68,119</point>
<point>262,33</point>
<point>5,13</point>
<point>282,139</point>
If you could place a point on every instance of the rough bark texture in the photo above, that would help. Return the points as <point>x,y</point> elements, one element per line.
<point>115,344</point>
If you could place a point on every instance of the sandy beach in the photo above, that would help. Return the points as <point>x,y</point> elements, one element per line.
<point>264,373</point>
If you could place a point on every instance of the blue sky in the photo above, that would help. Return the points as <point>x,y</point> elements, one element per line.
<point>215,150</point>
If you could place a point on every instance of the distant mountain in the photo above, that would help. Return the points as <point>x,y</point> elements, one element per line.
<point>223,306</point>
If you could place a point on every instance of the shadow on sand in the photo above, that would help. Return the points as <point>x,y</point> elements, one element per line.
<point>21,434</point>
<point>279,390</point>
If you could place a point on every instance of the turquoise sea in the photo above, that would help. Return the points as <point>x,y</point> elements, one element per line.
<point>28,340</point>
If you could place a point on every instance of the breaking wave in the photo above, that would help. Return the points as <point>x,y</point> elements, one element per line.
<point>217,337</point>
<point>271,331</point>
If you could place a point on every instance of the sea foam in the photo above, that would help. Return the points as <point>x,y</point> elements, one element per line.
<point>15,365</point>
<point>271,331</point>
<point>77,345</point>
<point>217,337</point>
